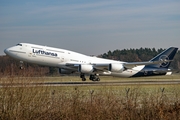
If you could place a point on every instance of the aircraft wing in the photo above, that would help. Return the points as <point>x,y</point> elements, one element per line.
<point>72,66</point>
<point>105,67</point>
<point>101,67</point>
<point>97,67</point>
<point>129,65</point>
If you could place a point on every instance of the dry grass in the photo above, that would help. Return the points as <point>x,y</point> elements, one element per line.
<point>88,102</point>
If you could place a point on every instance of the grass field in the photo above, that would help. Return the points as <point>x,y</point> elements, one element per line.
<point>88,102</point>
<point>77,79</point>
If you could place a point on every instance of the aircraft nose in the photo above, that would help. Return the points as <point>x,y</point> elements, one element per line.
<point>6,51</point>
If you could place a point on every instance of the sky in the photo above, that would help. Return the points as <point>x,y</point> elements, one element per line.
<point>91,27</point>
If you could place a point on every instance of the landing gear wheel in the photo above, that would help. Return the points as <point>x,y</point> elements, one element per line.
<point>21,65</point>
<point>94,77</point>
<point>83,77</point>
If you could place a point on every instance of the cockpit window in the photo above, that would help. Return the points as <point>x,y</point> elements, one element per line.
<point>19,45</point>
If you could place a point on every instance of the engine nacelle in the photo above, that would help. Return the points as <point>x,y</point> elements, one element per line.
<point>86,68</point>
<point>116,67</point>
<point>64,71</point>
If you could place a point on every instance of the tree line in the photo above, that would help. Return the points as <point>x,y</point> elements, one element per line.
<point>10,66</point>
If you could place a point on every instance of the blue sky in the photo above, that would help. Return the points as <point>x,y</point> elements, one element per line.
<point>90,27</point>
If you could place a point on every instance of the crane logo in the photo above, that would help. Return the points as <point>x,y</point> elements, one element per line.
<point>165,60</point>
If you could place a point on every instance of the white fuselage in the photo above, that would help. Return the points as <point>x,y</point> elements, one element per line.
<point>55,57</point>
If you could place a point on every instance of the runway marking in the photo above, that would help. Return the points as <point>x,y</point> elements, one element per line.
<point>148,82</point>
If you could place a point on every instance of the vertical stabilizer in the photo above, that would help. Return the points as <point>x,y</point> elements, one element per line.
<point>166,55</point>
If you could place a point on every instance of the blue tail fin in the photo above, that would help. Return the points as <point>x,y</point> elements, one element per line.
<point>168,54</point>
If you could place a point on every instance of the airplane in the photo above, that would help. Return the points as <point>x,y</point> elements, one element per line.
<point>70,62</point>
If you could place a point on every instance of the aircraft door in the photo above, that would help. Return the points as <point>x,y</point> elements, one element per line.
<point>62,58</point>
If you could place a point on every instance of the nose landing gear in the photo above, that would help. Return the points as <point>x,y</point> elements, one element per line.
<point>21,66</point>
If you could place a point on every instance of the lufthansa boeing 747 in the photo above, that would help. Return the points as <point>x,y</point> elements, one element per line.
<point>70,62</point>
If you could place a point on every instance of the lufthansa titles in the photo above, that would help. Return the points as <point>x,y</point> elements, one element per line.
<point>42,52</point>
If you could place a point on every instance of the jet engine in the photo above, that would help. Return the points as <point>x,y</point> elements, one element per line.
<point>65,71</point>
<point>116,67</point>
<point>86,68</point>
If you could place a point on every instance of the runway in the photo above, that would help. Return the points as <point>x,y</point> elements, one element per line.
<point>152,82</point>
<point>99,83</point>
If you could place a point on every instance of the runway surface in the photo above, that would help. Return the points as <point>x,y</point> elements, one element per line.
<point>112,83</point>
<point>99,83</point>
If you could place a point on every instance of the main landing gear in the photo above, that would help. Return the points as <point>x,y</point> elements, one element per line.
<point>82,76</point>
<point>93,77</point>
